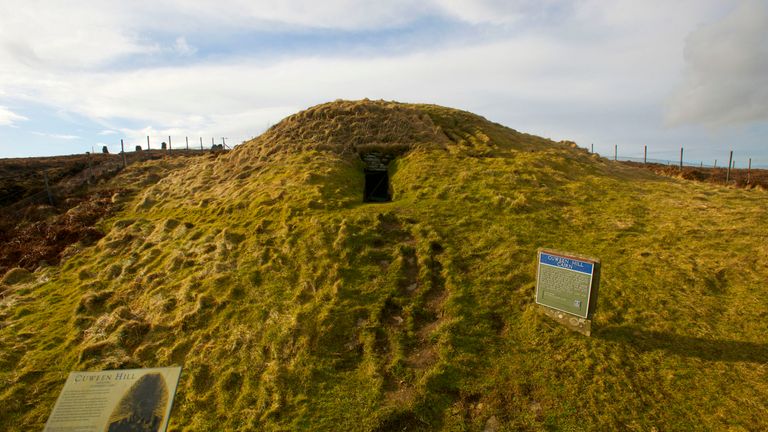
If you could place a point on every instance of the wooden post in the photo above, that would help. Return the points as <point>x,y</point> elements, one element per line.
<point>122,150</point>
<point>187,139</point>
<point>701,165</point>
<point>681,158</point>
<point>749,170</point>
<point>212,143</point>
<point>147,142</point>
<point>715,164</point>
<point>615,151</point>
<point>593,148</point>
<point>169,144</point>
<point>48,188</point>
<point>201,143</point>
<point>645,154</point>
<point>728,174</point>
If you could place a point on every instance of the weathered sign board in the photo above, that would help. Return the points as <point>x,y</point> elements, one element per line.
<point>115,400</point>
<point>566,288</point>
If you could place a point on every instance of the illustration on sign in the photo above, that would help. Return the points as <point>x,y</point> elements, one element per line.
<point>565,283</point>
<point>142,407</point>
<point>115,401</point>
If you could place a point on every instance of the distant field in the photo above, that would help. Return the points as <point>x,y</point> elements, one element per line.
<point>738,177</point>
<point>34,231</point>
<point>22,177</point>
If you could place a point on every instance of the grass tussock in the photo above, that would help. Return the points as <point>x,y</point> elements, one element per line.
<point>294,306</point>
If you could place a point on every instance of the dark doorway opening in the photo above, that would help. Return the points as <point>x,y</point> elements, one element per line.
<point>376,186</point>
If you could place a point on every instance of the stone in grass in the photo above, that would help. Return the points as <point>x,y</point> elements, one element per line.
<point>492,425</point>
<point>16,276</point>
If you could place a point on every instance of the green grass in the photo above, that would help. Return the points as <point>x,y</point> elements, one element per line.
<point>292,305</point>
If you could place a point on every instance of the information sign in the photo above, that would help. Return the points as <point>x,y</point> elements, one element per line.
<point>566,282</point>
<point>115,400</point>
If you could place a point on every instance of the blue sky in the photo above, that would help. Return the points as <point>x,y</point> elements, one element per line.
<point>693,73</point>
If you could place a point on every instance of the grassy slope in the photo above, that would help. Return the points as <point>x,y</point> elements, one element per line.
<point>292,305</point>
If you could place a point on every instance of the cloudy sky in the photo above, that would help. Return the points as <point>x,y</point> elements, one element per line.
<point>81,74</point>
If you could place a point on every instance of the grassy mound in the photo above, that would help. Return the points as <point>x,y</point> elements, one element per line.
<point>346,127</point>
<point>293,305</point>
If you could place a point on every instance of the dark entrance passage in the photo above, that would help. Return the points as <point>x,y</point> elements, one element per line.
<point>376,186</point>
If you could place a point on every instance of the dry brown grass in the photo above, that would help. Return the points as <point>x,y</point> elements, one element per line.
<point>347,127</point>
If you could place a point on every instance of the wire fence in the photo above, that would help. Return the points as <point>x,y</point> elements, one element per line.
<point>42,188</point>
<point>667,162</point>
<point>745,174</point>
<point>694,164</point>
<point>173,143</point>
<point>730,159</point>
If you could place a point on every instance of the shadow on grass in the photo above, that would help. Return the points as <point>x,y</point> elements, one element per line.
<point>689,346</point>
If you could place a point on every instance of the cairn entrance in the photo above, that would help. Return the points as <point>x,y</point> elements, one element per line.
<point>376,178</point>
<point>376,186</point>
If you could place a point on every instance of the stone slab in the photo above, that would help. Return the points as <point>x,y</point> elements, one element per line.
<point>573,323</point>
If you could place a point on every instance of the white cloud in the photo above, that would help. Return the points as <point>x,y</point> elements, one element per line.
<point>241,97</point>
<point>9,118</point>
<point>237,96</point>
<point>625,16</point>
<point>543,61</point>
<point>53,35</point>
<point>271,14</point>
<point>107,132</point>
<point>726,78</point>
<point>498,11</point>
<point>182,48</point>
<point>57,136</point>
<point>235,127</point>
<point>85,34</point>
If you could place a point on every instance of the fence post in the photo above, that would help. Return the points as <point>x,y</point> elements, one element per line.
<point>749,170</point>
<point>728,174</point>
<point>593,148</point>
<point>201,143</point>
<point>715,167</point>
<point>212,143</point>
<point>615,151</point>
<point>169,144</point>
<point>681,158</point>
<point>122,150</point>
<point>48,188</point>
<point>187,139</point>
<point>645,154</point>
<point>147,142</point>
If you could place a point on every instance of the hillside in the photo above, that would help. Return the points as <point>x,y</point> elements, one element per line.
<point>38,224</point>
<point>294,305</point>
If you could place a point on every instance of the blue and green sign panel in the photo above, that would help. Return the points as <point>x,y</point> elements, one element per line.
<point>567,283</point>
